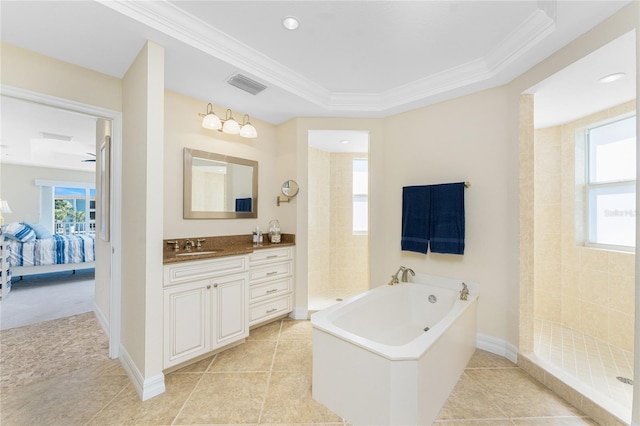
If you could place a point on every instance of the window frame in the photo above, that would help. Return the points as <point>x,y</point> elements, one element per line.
<point>357,197</point>
<point>592,189</point>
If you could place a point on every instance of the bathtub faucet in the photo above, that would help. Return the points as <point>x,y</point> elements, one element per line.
<point>405,274</point>
<point>394,278</point>
<point>464,292</point>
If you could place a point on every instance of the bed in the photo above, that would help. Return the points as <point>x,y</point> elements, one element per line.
<point>52,254</point>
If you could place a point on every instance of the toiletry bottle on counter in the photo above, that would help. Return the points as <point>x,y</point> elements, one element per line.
<point>257,237</point>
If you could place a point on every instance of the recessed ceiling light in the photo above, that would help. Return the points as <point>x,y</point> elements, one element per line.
<point>611,77</point>
<point>291,23</point>
<point>344,141</point>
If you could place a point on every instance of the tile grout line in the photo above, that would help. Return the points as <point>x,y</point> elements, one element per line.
<point>273,360</point>
<point>184,404</point>
<point>108,403</point>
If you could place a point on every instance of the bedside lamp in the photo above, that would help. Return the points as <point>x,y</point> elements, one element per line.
<point>4,208</point>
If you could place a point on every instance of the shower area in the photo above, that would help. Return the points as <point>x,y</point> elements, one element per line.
<point>578,236</point>
<point>338,250</point>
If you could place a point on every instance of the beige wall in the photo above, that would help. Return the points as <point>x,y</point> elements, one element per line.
<point>142,200</point>
<point>183,129</point>
<point>319,228</point>
<point>350,253</point>
<point>338,259</point>
<point>18,186</point>
<point>465,139</point>
<point>596,287</point>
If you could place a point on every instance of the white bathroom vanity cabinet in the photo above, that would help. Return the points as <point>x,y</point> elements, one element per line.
<point>211,303</point>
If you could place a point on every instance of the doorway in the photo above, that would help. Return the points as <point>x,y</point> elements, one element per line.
<point>107,265</point>
<point>579,319</point>
<point>338,209</point>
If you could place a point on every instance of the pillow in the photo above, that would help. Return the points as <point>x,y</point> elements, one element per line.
<point>19,232</point>
<point>42,233</point>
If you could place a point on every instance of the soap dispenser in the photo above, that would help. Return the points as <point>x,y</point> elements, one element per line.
<point>274,231</point>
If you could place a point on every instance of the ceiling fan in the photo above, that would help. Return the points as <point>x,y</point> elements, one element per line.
<point>90,160</point>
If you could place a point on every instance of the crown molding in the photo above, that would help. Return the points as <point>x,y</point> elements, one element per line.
<point>171,20</point>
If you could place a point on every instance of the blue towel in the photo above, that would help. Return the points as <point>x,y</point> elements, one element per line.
<point>243,204</point>
<point>446,230</point>
<point>415,218</point>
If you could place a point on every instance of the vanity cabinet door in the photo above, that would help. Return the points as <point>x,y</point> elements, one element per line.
<point>187,321</point>
<point>230,310</point>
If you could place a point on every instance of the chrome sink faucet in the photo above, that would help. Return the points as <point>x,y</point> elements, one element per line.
<point>188,245</point>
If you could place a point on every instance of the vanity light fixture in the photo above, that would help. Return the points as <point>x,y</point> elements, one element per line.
<point>247,130</point>
<point>611,77</point>
<point>228,125</point>
<point>210,120</point>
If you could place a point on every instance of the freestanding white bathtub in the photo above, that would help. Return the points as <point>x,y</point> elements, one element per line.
<point>373,361</point>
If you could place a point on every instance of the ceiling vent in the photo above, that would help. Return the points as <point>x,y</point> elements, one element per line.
<point>55,136</point>
<point>245,83</point>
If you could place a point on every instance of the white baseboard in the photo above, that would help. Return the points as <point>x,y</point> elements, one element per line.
<point>497,346</point>
<point>101,319</point>
<point>299,314</point>
<point>146,388</point>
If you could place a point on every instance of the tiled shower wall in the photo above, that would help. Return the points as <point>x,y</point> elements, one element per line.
<point>585,289</point>
<point>338,259</point>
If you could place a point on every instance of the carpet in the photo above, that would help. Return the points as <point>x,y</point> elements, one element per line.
<point>45,297</point>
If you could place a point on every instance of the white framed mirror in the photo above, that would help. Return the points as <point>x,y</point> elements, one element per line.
<point>217,186</point>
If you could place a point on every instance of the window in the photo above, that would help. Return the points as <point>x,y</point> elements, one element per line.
<point>360,196</point>
<point>611,183</point>
<point>71,214</point>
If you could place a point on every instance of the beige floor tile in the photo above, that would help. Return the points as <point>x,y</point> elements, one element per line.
<point>67,400</point>
<point>128,409</point>
<point>555,421</point>
<point>225,398</point>
<point>484,359</point>
<point>253,355</point>
<point>296,330</point>
<point>289,401</point>
<point>467,401</point>
<point>197,367</point>
<point>269,331</point>
<point>486,422</point>
<point>51,348</point>
<point>294,356</point>
<point>519,395</point>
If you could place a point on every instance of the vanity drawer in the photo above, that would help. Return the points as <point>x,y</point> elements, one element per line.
<point>201,269</point>
<point>270,272</point>
<point>264,256</point>
<point>270,289</point>
<point>264,311</point>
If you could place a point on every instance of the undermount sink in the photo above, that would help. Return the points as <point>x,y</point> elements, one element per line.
<point>196,253</point>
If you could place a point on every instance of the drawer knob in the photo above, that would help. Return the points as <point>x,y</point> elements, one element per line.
<point>215,285</point>
<point>208,286</point>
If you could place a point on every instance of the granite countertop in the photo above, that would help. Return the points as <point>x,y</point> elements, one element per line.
<point>214,247</point>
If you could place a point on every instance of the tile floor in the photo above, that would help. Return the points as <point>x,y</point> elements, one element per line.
<point>266,380</point>
<point>593,362</point>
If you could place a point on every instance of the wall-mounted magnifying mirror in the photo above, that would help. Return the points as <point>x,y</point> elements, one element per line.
<point>289,189</point>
